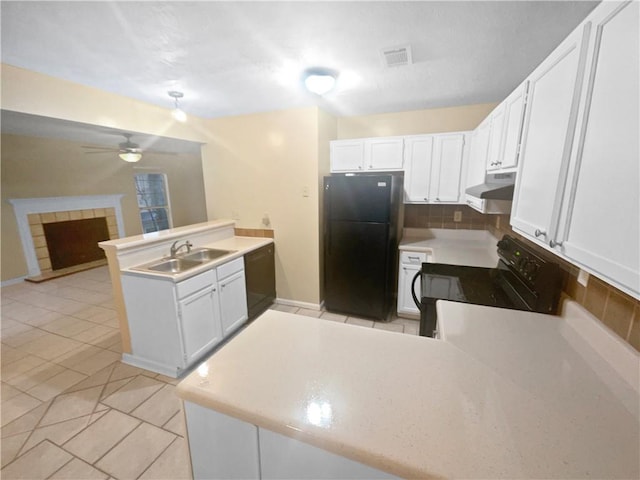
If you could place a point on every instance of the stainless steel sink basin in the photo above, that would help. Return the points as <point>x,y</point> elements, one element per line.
<point>173,265</point>
<point>204,254</point>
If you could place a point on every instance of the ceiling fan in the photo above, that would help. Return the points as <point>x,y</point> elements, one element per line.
<point>127,150</point>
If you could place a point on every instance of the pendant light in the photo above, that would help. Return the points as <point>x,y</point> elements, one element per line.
<point>177,113</point>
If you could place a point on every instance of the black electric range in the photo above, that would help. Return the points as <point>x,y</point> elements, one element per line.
<point>522,280</point>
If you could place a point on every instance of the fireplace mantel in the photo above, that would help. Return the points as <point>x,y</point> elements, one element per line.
<point>23,207</point>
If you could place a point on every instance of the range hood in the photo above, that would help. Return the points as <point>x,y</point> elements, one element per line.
<point>492,191</point>
<point>490,197</point>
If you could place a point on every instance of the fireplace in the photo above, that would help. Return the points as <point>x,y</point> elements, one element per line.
<point>74,242</point>
<point>74,224</point>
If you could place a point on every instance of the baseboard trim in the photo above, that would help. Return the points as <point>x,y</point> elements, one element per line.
<point>150,365</point>
<point>12,281</point>
<point>296,303</point>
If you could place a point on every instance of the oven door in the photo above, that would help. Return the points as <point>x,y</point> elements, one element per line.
<point>427,306</point>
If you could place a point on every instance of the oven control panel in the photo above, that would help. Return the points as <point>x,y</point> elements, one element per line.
<point>520,258</point>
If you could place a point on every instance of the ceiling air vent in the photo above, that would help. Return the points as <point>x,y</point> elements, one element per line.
<point>397,56</point>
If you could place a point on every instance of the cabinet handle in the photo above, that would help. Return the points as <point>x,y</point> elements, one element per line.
<point>413,258</point>
<point>553,244</point>
<point>359,167</point>
<point>437,199</point>
<point>540,233</point>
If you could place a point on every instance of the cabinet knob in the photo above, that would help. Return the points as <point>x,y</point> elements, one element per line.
<point>553,244</point>
<point>540,233</point>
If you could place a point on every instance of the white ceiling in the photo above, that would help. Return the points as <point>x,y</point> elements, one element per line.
<point>234,58</point>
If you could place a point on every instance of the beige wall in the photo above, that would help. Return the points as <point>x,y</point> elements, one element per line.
<point>39,167</point>
<point>31,92</point>
<point>327,131</point>
<point>267,164</point>
<point>415,122</point>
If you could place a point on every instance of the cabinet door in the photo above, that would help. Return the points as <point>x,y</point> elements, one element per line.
<point>476,172</point>
<point>233,302</point>
<point>548,132</point>
<point>513,120</point>
<point>446,168</point>
<point>418,151</point>
<point>199,316</point>
<point>383,153</point>
<point>603,227</point>
<point>405,299</point>
<point>496,131</point>
<point>347,155</point>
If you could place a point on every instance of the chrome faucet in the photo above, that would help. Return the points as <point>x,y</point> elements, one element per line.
<point>175,247</point>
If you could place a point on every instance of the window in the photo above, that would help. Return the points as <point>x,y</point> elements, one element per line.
<point>153,201</point>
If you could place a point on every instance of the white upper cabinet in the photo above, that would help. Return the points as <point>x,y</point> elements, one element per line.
<point>446,168</point>
<point>600,221</point>
<point>347,155</point>
<point>433,168</point>
<point>514,109</point>
<point>549,127</point>
<point>384,153</point>
<point>496,130</point>
<point>479,143</point>
<point>418,153</point>
<point>367,154</point>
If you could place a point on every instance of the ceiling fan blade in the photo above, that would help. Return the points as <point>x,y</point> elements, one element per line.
<point>100,151</point>
<point>111,149</point>
<point>155,152</point>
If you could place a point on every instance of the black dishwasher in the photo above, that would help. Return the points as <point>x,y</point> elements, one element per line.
<point>260,274</point>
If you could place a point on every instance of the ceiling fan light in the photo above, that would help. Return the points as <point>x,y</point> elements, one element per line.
<point>320,83</point>
<point>130,157</point>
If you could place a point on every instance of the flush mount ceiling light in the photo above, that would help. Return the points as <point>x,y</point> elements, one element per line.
<point>319,80</point>
<point>177,113</point>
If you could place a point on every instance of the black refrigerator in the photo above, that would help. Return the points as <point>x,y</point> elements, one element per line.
<point>362,225</point>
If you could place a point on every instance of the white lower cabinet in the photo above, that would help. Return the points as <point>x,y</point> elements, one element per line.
<point>233,296</point>
<point>174,325</point>
<point>199,318</point>
<point>223,447</point>
<point>410,265</point>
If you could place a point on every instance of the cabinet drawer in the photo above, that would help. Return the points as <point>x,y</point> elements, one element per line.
<point>230,268</point>
<point>193,284</point>
<point>413,258</point>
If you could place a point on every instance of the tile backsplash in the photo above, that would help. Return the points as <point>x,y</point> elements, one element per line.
<point>619,311</point>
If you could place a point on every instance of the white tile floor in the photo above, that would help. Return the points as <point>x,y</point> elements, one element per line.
<point>70,409</point>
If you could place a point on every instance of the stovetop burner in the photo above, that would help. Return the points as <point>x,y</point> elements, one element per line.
<point>521,281</point>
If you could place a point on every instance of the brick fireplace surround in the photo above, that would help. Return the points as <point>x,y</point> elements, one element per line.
<point>32,213</point>
<point>37,220</point>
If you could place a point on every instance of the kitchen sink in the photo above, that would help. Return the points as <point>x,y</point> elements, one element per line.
<point>173,265</point>
<point>183,262</point>
<point>204,254</point>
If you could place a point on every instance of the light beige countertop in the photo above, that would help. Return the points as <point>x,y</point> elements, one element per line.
<point>421,408</point>
<point>476,248</point>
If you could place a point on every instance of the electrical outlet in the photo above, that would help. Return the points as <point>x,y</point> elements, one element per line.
<point>583,278</point>
<point>457,216</point>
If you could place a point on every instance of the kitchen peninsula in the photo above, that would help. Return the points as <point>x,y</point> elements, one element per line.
<point>179,292</point>
<point>299,397</point>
